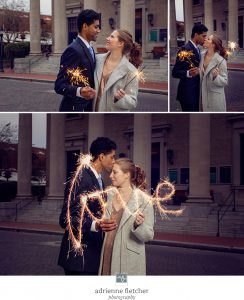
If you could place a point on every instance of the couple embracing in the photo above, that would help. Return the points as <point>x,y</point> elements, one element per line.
<point>204,75</point>
<point>109,85</point>
<point>114,243</point>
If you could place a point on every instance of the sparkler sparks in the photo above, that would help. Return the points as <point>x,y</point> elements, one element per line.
<point>185,55</point>
<point>84,199</point>
<point>76,76</point>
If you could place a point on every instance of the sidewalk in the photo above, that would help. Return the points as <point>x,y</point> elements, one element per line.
<point>222,244</point>
<point>147,87</point>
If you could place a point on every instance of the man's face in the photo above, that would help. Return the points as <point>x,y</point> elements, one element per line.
<point>92,31</point>
<point>107,161</point>
<point>200,38</point>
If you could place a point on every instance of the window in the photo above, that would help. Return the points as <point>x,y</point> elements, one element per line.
<point>214,25</point>
<point>196,2</point>
<point>225,174</point>
<point>242,158</point>
<point>163,35</point>
<point>184,175</point>
<point>153,35</point>
<point>173,175</point>
<point>213,175</point>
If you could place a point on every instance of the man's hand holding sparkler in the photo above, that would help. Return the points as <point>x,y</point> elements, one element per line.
<point>87,93</point>
<point>194,71</point>
<point>106,225</point>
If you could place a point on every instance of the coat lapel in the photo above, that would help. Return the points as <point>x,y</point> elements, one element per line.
<point>212,64</point>
<point>93,178</point>
<point>119,72</point>
<point>84,48</point>
<point>131,207</point>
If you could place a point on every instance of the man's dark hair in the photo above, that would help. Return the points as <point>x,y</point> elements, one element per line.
<point>102,145</point>
<point>87,16</point>
<point>199,29</point>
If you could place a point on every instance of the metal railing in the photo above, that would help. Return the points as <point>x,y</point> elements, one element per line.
<point>17,207</point>
<point>229,201</point>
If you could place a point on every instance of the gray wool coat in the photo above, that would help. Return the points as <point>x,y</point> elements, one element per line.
<point>128,254</point>
<point>212,90</point>
<point>122,75</point>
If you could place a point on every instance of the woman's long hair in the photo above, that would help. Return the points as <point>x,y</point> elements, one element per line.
<point>131,49</point>
<point>137,175</point>
<point>219,47</point>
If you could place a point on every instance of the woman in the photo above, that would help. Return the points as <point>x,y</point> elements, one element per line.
<point>213,74</point>
<point>114,71</point>
<point>124,248</point>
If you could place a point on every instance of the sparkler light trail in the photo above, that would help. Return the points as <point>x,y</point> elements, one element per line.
<point>84,199</point>
<point>185,55</point>
<point>76,76</point>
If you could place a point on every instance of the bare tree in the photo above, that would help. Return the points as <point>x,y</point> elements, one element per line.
<point>12,18</point>
<point>8,133</point>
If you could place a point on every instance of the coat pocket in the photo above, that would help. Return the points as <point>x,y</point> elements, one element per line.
<point>133,247</point>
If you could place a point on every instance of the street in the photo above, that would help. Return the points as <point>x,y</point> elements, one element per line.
<point>234,92</point>
<point>19,96</point>
<point>37,254</point>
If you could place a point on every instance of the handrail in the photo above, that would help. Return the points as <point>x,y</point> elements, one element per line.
<point>226,207</point>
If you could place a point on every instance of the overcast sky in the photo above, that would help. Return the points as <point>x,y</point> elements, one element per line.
<point>179,10</point>
<point>45,6</point>
<point>38,126</point>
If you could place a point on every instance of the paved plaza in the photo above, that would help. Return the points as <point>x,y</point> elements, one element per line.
<point>36,254</point>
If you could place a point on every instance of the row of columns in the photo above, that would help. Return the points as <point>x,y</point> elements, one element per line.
<point>60,31</point>
<point>208,19</point>
<point>199,151</point>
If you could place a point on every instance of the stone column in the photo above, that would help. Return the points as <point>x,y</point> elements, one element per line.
<point>60,26</point>
<point>95,127</point>
<point>127,16</point>
<point>173,28</point>
<point>90,4</point>
<point>24,156</point>
<point>208,14</point>
<point>233,21</point>
<point>35,27</point>
<point>57,159</point>
<point>199,189</point>
<point>188,18</point>
<point>142,144</point>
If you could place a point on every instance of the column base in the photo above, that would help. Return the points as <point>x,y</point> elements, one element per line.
<point>35,54</point>
<point>199,199</point>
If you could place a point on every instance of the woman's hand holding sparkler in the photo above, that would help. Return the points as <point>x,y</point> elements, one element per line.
<point>106,225</point>
<point>87,93</point>
<point>139,219</point>
<point>215,72</point>
<point>119,94</point>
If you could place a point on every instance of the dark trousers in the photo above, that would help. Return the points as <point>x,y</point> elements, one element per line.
<point>189,107</point>
<point>75,273</point>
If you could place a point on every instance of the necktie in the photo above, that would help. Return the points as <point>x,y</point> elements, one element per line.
<point>199,53</point>
<point>99,179</point>
<point>92,53</point>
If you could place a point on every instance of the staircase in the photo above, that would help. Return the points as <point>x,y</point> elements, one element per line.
<point>237,57</point>
<point>156,70</point>
<point>232,224</point>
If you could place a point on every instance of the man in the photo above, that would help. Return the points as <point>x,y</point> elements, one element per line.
<point>189,86</point>
<point>79,54</point>
<point>103,153</point>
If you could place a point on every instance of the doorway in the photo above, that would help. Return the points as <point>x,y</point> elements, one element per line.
<point>138,26</point>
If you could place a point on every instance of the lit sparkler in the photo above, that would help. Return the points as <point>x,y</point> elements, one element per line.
<point>157,200</point>
<point>76,76</point>
<point>185,55</point>
<point>139,74</point>
<point>232,47</point>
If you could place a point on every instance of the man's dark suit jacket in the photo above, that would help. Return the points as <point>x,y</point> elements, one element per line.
<point>189,88</point>
<point>75,55</point>
<point>69,260</point>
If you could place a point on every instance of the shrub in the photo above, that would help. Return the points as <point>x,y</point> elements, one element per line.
<point>17,50</point>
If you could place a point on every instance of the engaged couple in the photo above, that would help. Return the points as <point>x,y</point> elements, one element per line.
<point>203,74</point>
<point>102,82</point>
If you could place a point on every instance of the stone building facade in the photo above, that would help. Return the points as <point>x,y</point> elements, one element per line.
<point>225,17</point>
